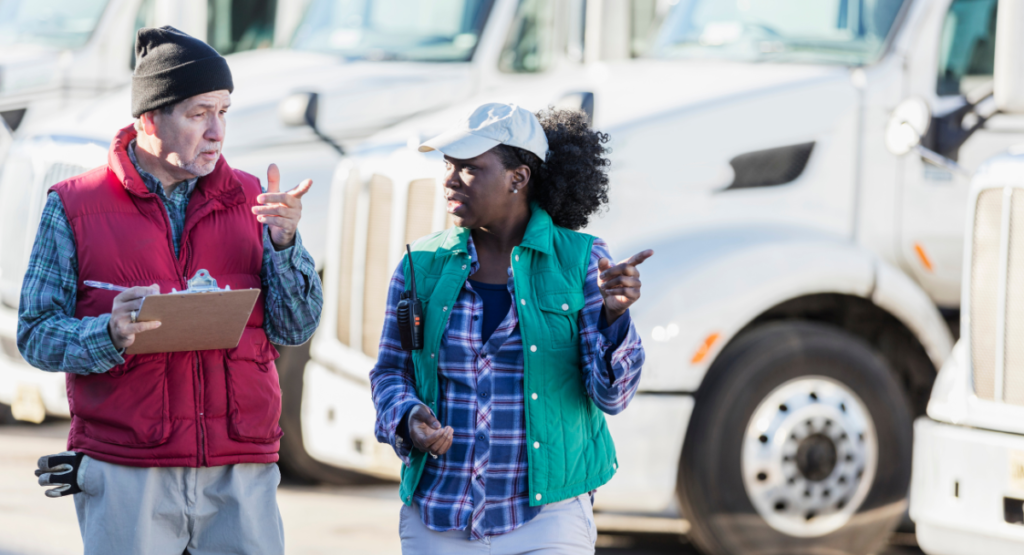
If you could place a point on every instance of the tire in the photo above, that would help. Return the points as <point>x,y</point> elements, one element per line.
<point>730,476</point>
<point>295,462</point>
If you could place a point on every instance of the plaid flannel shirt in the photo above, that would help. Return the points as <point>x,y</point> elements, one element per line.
<point>481,482</point>
<point>52,339</point>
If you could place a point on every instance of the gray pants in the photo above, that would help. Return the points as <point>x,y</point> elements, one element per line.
<point>170,511</point>
<point>566,527</point>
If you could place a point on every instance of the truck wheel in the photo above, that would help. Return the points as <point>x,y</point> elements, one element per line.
<point>294,461</point>
<point>799,444</point>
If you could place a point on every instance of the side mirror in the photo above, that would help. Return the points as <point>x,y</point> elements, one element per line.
<point>907,125</point>
<point>299,109</point>
<point>1009,61</point>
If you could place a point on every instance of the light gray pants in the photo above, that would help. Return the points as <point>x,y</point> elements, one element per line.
<point>566,527</point>
<point>171,511</point>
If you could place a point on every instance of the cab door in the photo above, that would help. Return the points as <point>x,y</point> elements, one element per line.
<point>950,68</point>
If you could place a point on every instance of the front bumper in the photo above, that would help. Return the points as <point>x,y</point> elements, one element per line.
<point>967,490</point>
<point>20,383</point>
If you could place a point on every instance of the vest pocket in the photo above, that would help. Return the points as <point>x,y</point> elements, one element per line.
<point>126,405</point>
<point>561,316</point>
<point>254,391</point>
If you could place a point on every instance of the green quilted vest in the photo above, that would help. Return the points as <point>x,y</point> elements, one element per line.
<point>570,451</point>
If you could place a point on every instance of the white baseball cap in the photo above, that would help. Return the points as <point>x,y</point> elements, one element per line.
<point>488,126</point>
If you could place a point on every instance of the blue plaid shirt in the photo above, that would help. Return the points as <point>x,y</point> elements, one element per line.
<point>51,338</point>
<point>481,482</point>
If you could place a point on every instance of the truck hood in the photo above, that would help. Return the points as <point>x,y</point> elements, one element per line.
<point>674,128</point>
<point>356,98</point>
<point>24,67</point>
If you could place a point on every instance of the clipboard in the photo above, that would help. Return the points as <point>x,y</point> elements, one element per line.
<point>201,317</point>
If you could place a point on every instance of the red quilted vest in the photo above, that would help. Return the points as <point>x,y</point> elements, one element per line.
<point>199,408</point>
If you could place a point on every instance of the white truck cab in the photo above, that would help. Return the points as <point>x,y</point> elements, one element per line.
<point>807,276</point>
<point>54,54</point>
<point>967,493</point>
<point>352,68</point>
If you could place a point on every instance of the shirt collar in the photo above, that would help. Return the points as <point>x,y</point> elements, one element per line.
<point>152,183</point>
<point>538,235</point>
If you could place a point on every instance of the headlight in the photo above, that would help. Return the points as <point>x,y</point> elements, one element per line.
<point>32,167</point>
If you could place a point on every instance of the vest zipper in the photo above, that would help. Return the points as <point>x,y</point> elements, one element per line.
<point>201,419</point>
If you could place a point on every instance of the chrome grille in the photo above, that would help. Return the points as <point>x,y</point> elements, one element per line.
<point>419,209</point>
<point>984,287</point>
<point>1013,344</point>
<point>23,189</point>
<point>353,187</point>
<point>377,272</point>
<point>378,218</point>
<point>997,296</point>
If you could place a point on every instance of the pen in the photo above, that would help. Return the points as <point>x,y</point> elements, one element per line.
<point>107,286</point>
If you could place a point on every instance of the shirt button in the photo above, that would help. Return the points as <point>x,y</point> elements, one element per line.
<point>537,497</point>
<point>475,318</point>
<point>533,348</point>
<point>444,309</point>
<point>431,355</point>
<point>534,396</point>
<point>480,437</point>
<point>463,266</point>
<point>565,306</point>
<point>483,394</point>
<point>536,445</point>
<point>517,258</point>
<point>522,302</point>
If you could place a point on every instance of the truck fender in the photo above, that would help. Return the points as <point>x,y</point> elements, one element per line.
<point>708,286</point>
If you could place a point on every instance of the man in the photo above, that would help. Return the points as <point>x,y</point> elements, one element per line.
<point>172,452</point>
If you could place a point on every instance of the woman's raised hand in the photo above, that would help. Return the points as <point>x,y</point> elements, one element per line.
<point>620,284</point>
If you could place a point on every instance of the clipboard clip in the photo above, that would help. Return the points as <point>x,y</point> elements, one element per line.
<point>202,282</point>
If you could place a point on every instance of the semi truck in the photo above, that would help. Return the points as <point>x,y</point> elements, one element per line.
<point>55,54</point>
<point>967,487</point>
<point>807,280</point>
<point>350,69</point>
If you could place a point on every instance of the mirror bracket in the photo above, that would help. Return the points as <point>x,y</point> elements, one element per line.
<point>300,109</point>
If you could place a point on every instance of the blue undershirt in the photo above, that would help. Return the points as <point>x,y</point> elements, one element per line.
<point>497,302</point>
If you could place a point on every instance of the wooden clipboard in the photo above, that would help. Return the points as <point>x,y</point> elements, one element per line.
<point>203,317</point>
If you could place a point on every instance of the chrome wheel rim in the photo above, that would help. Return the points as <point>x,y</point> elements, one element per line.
<point>810,453</point>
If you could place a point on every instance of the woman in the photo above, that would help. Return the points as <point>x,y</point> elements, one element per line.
<point>527,335</point>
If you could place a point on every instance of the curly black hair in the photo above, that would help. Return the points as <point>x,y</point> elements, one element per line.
<point>572,183</point>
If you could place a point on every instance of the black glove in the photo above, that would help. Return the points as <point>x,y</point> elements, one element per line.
<point>60,470</point>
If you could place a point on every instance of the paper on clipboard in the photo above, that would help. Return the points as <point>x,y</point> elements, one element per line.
<point>200,318</point>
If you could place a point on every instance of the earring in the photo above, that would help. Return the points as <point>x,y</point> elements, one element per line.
<point>516,191</point>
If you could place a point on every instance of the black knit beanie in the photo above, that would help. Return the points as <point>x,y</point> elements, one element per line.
<point>172,66</point>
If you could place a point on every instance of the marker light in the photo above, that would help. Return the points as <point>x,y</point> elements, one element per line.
<point>705,347</point>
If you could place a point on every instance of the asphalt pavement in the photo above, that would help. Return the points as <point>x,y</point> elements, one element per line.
<point>356,520</point>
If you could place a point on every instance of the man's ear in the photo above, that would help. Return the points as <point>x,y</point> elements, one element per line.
<point>149,123</point>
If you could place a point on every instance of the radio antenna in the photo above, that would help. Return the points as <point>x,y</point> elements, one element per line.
<point>412,272</point>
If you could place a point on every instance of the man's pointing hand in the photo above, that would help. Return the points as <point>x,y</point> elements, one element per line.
<point>281,211</point>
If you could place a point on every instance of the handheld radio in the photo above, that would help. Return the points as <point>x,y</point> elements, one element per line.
<point>410,314</point>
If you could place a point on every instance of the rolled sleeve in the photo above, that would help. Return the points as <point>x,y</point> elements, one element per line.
<point>392,380</point>
<point>612,356</point>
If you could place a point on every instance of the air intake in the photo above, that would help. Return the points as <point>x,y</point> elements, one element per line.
<point>767,168</point>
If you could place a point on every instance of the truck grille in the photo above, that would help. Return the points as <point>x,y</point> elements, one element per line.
<point>23,188</point>
<point>997,295</point>
<point>378,218</point>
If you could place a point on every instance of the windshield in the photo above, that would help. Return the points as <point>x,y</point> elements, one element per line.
<point>419,30</point>
<point>54,23</point>
<point>847,32</point>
